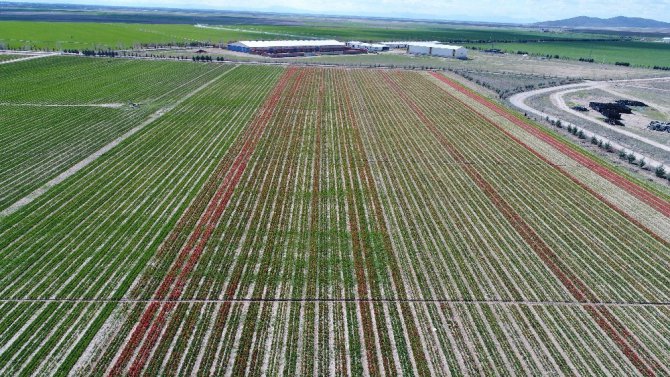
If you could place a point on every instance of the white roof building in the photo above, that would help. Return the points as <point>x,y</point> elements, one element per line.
<point>437,49</point>
<point>403,44</point>
<point>290,43</point>
<point>289,47</point>
<point>430,48</point>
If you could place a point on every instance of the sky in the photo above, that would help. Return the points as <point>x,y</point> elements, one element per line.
<point>461,10</point>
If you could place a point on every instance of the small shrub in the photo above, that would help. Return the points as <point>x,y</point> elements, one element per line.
<point>608,147</point>
<point>622,154</point>
<point>631,158</point>
<point>660,171</point>
<point>642,163</point>
<point>581,134</point>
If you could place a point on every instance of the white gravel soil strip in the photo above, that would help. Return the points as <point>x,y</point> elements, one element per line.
<point>105,105</point>
<point>27,58</point>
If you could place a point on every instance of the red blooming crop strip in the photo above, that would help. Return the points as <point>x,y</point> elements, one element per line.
<point>601,315</point>
<point>327,221</point>
<point>290,136</point>
<point>190,253</point>
<point>367,178</point>
<point>561,169</point>
<point>638,191</point>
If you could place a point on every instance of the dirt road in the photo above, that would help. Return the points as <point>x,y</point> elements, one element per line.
<point>557,93</point>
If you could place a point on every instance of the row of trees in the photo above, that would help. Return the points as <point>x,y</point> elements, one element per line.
<point>630,157</point>
<point>207,58</point>
<point>120,46</point>
<point>112,53</point>
<point>109,53</point>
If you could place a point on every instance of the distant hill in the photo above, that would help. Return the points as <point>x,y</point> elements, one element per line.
<point>614,22</point>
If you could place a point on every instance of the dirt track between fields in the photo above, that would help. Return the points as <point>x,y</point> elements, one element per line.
<point>30,57</point>
<point>105,105</point>
<point>342,300</point>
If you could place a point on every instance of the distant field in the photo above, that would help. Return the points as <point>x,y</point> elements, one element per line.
<point>636,53</point>
<point>349,31</point>
<point>74,35</point>
<point>80,35</point>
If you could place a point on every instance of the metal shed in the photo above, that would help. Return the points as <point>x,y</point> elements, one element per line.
<point>437,49</point>
<point>287,46</point>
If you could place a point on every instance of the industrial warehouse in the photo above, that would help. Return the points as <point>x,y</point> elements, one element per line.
<point>290,48</point>
<point>437,49</point>
<point>293,48</point>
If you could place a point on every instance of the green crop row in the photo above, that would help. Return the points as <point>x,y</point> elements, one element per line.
<point>646,54</point>
<point>351,193</point>
<point>92,235</point>
<point>48,126</point>
<point>329,221</point>
<point>102,36</point>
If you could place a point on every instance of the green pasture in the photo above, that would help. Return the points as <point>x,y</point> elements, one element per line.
<point>636,53</point>
<point>84,35</point>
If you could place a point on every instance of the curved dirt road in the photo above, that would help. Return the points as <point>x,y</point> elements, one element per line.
<point>519,100</point>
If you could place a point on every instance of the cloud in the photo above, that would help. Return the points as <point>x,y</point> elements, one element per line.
<point>474,10</point>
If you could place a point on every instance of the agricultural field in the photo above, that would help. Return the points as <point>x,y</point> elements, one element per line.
<point>332,221</point>
<point>84,242</point>
<point>56,111</point>
<point>644,54</point>
<point>370,30</point>
<point>103,36</point>
<point>89,35</point>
